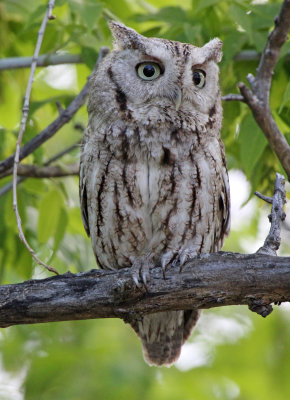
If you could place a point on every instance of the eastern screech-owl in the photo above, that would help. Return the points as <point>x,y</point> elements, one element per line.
<point>153,179</point>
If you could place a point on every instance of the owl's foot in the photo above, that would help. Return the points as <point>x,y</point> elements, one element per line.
<point>184,255</point>
<point>141,270</point>
<point>178,257</point>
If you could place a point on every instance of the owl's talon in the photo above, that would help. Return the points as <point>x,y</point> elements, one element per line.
<point>136,281</point>
<point>145,277</point>
<point>183,258</point>
<point>165,261</point>
<point>184,255</point>
<point>141,271</point>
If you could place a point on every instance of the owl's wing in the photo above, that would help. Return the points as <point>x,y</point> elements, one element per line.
<point>224,206</point>
<point>226,209</point>
<point>83,198</point>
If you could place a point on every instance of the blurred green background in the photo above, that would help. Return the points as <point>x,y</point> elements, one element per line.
<point>233,353</point>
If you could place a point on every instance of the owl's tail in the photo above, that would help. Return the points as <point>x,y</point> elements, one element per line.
<point>162,334</point>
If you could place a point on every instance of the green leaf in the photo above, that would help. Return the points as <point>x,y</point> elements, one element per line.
<point>89,11</point>
<point>252,144</point>
<point>89,56</point>
<point>60,229</point>
<point>233,43</point>
<point>49,214</point>
<point>285,116</point>
<point>205,4</point>
<point>286,98</point>
<point>192,32</point>
<point>240,17</point>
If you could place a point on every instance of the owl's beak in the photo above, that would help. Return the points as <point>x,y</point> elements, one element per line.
<point>177,98</point>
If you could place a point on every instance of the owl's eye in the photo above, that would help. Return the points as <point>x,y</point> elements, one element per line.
<point>199,78</point>
<point>148,71</point>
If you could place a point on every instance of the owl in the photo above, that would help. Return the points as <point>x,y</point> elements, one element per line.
<point>154,187</point>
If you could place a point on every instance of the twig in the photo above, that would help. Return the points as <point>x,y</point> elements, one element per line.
<point>233,97</point>
<point>54,127</point>
<point>257,97</point>
<point>263,197</point>
<point>273,240</point>
<point>25,111</point>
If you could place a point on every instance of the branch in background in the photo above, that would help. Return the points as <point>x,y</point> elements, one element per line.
<point>57,59</point>
<point>277,216</point>
<point>210,280</point>
<point>25,110</point>
<point>273,240</point>
<point>52,129</point>
<point>35,171</point>
<point>43,61</point>
<point>257,97</point>
<point>6,188</point>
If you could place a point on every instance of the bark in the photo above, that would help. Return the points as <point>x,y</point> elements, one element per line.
<point>210,280</point>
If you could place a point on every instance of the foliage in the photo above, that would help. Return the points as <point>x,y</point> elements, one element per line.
<point>102,359</point>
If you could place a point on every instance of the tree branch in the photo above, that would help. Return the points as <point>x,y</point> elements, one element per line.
<point>273,240</point>
<point>35,171</point>
<point>210,280</point>
<point>57,59</point>
<point>43,61</point>
<point>257,97</point>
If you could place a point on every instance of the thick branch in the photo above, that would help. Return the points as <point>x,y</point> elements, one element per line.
<point>210,280</point>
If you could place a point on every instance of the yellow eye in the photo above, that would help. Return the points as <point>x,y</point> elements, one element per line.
<point>148,71</point>
<point>198,78</point>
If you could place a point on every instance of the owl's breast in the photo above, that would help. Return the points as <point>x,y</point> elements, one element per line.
<point>150,192</point>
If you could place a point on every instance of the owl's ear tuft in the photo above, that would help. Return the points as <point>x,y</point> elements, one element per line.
<point>213,50</point>
<point>124,37</point>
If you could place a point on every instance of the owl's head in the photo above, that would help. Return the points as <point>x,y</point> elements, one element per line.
<point>162,73</point>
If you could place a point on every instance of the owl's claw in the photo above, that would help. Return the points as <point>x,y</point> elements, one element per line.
<point>165,261</point>
<point>141,271</point>
<point>178,257</point>
<point>136,281</point>
<point>184,255</point>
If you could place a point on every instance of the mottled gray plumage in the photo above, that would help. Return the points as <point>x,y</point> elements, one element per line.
<point>153,178</point>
